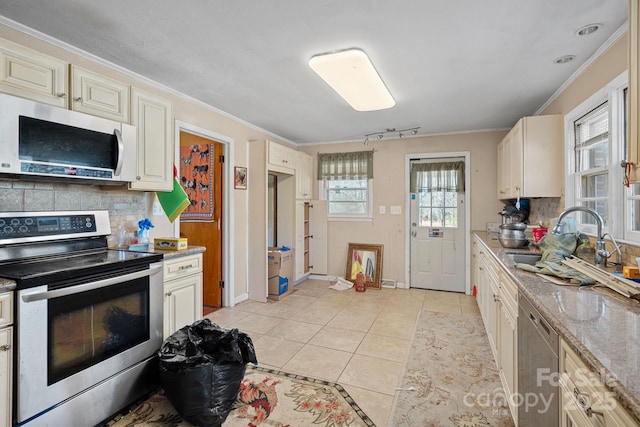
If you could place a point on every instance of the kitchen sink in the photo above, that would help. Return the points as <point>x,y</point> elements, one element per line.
<point>524,257</point>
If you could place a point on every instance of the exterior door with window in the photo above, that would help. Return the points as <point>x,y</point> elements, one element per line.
<point>437,225</point>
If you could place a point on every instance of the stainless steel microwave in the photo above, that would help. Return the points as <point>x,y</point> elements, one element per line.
<point>39,140</point>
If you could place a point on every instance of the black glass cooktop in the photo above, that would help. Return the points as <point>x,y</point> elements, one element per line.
<point>71,266</point>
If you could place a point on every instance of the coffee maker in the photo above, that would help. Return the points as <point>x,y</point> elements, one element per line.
<point>515,211</point>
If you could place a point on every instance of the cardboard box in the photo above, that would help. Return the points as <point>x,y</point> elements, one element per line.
<point>170,243</point>
<point>280,273</point>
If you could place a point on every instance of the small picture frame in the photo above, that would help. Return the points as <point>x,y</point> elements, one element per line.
<point>367,259</point>
<point>240,178</point>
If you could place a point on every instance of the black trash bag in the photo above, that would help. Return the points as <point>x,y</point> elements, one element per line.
<point>201,368</point>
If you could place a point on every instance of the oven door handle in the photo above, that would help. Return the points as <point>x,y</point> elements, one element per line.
<point>153,269</point>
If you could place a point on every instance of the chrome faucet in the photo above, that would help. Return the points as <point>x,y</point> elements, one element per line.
<point>618,264</point>
<point>601,254</point>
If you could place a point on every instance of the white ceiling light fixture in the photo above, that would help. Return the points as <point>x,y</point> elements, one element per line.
<point>352,75</point>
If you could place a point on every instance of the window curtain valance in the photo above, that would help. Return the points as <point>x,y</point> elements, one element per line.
<point>354,165</point>
<point>442,176</point>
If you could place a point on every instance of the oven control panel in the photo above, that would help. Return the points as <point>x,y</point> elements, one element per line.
<point>44,225</point>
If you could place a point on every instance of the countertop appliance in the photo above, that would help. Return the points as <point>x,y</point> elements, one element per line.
<point>538,368</point>
<point>39,140</point>
<point>88,319</point>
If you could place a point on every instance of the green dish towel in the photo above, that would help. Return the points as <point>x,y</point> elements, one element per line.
<point>556,248</point>
<point>173,202</point>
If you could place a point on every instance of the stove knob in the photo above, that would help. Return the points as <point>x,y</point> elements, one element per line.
<point>28,221</point>
<point>2,222</point>
<point>23,229</point>
<point>8,229</point>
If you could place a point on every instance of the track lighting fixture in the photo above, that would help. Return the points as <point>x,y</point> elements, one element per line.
<point>401,133</point>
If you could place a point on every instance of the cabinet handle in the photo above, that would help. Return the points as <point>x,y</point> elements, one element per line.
<point>168,294</point>
<point>5,347</point>
<point>496,298</point>
<point>185,267</point>
<point>584,401</point>
<point>62,95</point>
<point>79,99</point>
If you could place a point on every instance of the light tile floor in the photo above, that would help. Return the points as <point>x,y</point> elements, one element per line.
<point>359,340</point>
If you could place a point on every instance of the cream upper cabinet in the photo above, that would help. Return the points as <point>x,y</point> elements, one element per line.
<point>304,175</point>
<point>281,158</point>
<point>153,119</point>
<point>100,96</point>
<point>30,74</point>
<point>530,159</point>
<point>634,89</point>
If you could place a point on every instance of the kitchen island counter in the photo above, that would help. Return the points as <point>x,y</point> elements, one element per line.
<point>600,325</point>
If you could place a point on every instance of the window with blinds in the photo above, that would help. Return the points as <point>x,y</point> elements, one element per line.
<point>592,162</point>
<point>345,182</point>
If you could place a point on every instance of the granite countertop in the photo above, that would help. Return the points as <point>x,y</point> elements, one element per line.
<point>168,254</point>
<point>7,285</point>
<point>602,326</point>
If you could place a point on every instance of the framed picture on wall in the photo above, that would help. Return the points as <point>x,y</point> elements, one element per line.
<point>240,178</point>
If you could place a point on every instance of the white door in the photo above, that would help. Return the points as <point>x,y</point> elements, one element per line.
<point>437,227</point>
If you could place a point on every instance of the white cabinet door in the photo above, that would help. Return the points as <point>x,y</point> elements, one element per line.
<point>99,96</point>
<point>280,158</point>
<point>153,119</point>
<point>508,341</point>
<point>6,375</point>
<point>299,254</point>
<point>317,237</point>
<point>304,170</point>
<point>29,74</point>
<point>182,302</point>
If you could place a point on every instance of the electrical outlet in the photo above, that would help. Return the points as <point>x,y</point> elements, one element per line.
<point>157,208</point>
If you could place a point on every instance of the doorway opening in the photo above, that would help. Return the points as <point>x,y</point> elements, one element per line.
<point>212,229</point>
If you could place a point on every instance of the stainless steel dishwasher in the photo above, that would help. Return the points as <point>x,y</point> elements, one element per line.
<point>538,345</point>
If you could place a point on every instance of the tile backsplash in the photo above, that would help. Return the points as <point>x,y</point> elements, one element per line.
<point>125,207</point>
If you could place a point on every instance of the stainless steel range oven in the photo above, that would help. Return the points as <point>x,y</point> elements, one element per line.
<point>88,319</point>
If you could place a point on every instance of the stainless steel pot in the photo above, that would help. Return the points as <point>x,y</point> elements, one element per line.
<point>512,235</point>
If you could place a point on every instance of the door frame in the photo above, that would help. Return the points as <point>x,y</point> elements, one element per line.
<point>467,211</point>
<point>228,252</point>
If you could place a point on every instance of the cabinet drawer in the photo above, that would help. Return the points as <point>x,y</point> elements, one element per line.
<point>182,266</point>
<point>6,308</point>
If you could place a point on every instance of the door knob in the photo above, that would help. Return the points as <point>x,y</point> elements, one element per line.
<point>414,233</point>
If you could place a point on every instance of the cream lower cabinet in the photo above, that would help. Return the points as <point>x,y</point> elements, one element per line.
<point>496,294</point>
<point>508,340</point>
<point>6,357</point>
<point>585,401</point>
<point>182,292</point>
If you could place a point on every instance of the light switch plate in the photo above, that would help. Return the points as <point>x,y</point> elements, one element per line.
<point>396,210</point>
<point>382,209</point>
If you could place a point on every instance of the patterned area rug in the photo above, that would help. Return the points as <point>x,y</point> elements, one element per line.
<point>450,378</point>
<point>266,398</point>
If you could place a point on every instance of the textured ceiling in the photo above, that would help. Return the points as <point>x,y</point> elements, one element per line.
<point>451,65</point>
